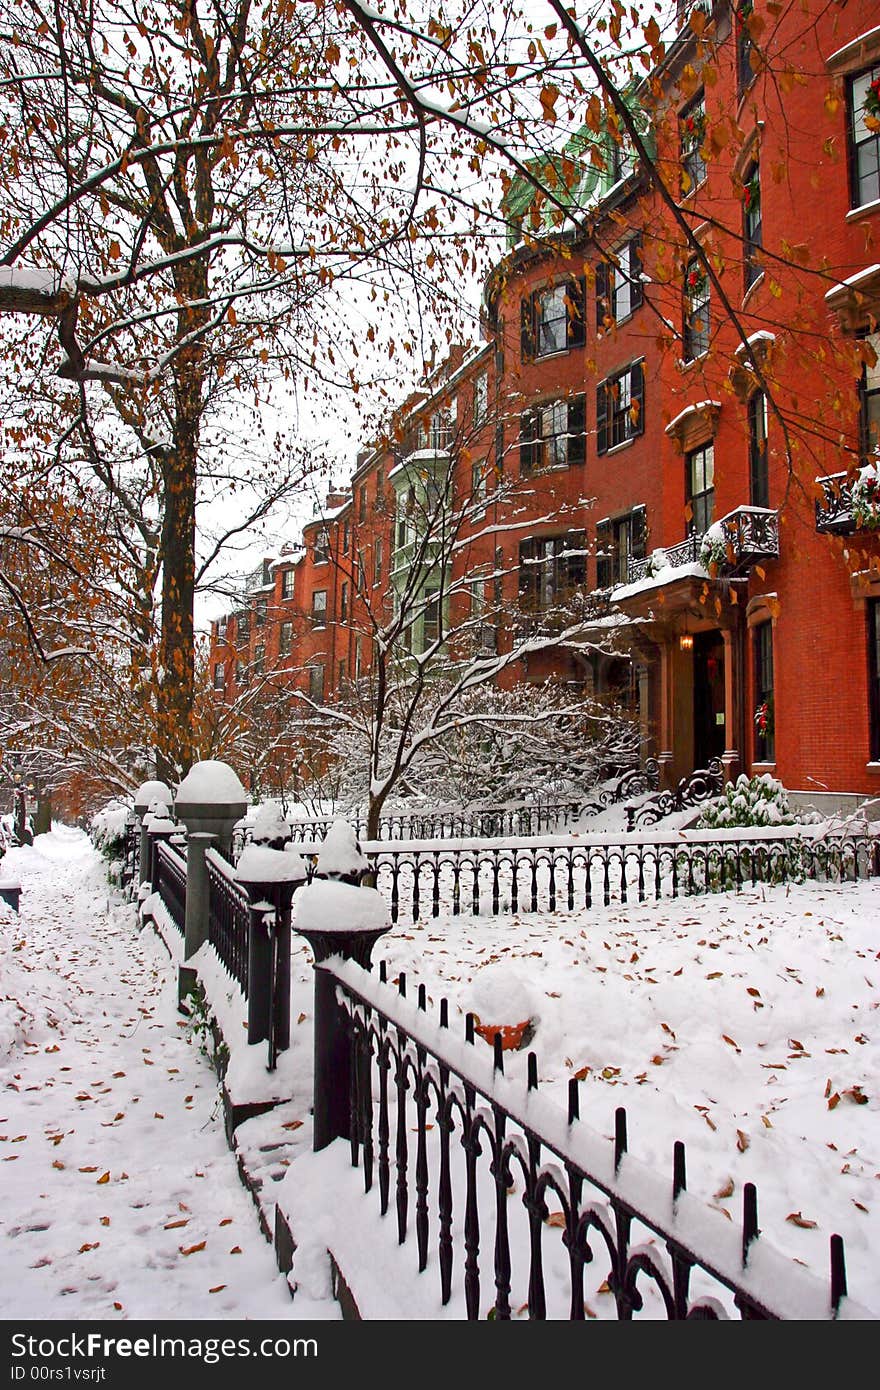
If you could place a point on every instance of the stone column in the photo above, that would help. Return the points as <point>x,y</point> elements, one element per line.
<point>336,919</point>
<point>210,800</point>
<point>731,758</point>
<point>146,796</point>
<point>271,878</point>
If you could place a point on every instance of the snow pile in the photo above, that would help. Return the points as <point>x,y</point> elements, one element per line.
<point>270,825</point>
<point>211,782</point>
<point>332,906</point>
<point>713,547</point>
<point>340,854</point>
<point>258,864</point>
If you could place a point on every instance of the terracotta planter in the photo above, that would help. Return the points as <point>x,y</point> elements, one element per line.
<point>513,1035</point>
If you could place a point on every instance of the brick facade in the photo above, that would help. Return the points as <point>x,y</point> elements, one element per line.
<point>622,394</point>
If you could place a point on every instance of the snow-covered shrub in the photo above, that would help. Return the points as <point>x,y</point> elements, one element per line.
<point>108,829</point>
<point>713,548</point>
<point>748,801</point>
<point>865,498</point>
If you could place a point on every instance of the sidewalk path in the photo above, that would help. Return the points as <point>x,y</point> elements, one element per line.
<point>119,1198</point>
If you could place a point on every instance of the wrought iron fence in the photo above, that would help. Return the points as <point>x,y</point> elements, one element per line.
<point>228,916</point>
<point>698,786</point>
<point>574,874</point>
<point>172,883</point>
<point>527,818</point>
<point>486,1172</point>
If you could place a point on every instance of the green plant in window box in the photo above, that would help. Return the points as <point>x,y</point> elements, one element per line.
<point>714,549</point>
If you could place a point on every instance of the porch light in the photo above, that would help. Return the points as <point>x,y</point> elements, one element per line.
<point>686,641</point>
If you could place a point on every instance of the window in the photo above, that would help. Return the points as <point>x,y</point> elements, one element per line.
<point>696,310</point>
<point>620,408</point>
<point>864,144</point>
<point>285,639</point>
<point>219,675</point>
<point>316,684</point>
<point>357,657</point>
<point>619,284</point>
<point>242,675</point>
<point>478,483</point>
<point>553,435</point>
<point>700,489</point>
<point>340,674</point>
<point>346,536</point>
<point>869,404</point>
<point>343,602</point>
<point>752,237</point>
<point>260,611</point>
<point>362,502</point>
<point>481,397</point>
<point>243,627</point>
<point>319,607</point>
<point>551,568</point>
<point>322,549</point>
<point>499,450</point>
<point>765,734</point>
<point>744,47</point>
<point>259,658</point>
<point>436,433</point>
<point>759,488</point>
<point>377,560</point>
<point>288,579</point>
<point>552,320</point>
<point>431,618</point>
<point>692,130</point>
<point>873,613</point>
<point>618,538</point>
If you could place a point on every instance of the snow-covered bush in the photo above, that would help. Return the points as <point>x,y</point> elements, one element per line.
<point>108,829</point>
<point>713,548</point>
<point>865,498</point>
<point>748,801</point>
<point>656,562</point>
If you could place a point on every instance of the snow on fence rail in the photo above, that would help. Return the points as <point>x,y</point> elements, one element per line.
<point>170,870</point>
<point>414,1085</point>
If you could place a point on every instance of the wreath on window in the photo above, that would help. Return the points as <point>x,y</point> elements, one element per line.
<point>693,129</point>
<point>764,719</point>
<point>871,104</point>
<point>697,284</point>
<point>752,194</point>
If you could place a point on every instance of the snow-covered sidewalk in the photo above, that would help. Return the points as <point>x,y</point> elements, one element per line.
<point>121,1199</point>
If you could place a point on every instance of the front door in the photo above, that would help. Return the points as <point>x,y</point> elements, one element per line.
<point>709,739</point>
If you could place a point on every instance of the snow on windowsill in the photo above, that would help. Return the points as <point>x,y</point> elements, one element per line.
<point>863,209</point>
<point>689,410</point>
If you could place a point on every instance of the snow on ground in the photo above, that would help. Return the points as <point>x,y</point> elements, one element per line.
<point>121,1199</point>
<point>745,1025</point>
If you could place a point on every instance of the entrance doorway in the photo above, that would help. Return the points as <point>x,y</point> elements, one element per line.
<point>709,731</point>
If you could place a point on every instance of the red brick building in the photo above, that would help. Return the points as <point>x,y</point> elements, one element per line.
<point>672,419</point>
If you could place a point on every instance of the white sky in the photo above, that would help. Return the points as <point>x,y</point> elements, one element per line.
<point>727,1022</point>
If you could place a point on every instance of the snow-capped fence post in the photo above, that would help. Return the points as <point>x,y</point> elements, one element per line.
<point>144,798</point>
<point>271,877</point>
<point>158,829</point>
<point>337,919</point>
<point>209,801</point>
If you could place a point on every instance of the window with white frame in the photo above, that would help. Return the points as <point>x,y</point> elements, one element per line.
<point>319,607</point>
<point>285,639</point>
<point>553,435</point>
<point>288,578</point>
<point>481,397</point>
<point>863,90</point>
<point>552,319</point>
<point>316,684</point>
<point>620,408</point>
<point>619,284</point>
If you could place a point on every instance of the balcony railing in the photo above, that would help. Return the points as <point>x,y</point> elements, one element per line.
<point>687,552</point>
<point>751,535</point>
<point>834,511</point>
<point>745,537</point>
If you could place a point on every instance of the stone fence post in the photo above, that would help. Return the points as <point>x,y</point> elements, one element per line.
<point>336,919</point>
<point>149,796</point>
<point>210,800</point>
<point>271,877</point>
